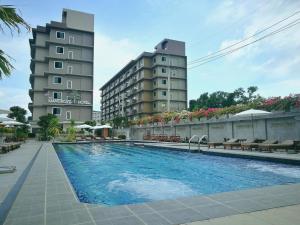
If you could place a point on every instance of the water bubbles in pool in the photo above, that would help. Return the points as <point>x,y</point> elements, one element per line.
<point>150,188</point>
<point>283,170</point>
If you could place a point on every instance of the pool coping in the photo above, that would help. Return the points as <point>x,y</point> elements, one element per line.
<point>176,211</point>
<point>199,207</point>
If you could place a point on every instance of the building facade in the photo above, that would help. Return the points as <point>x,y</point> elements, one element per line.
<point>62,57</point>
<point>97,116</point>
<point>153,83</point>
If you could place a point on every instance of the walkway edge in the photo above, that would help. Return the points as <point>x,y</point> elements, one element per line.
<point>12,194</point>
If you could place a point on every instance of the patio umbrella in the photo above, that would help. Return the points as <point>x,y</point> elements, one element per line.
<point>13,123</point>
<point>5,118</point>
<point>252,113</point>
<point>101,127</point>
<point>83,126</point>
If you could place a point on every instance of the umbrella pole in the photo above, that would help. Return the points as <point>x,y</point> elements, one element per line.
<point>252,126</point>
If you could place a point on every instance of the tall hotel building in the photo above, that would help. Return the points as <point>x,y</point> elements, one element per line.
<point>152,83</point>
<point>62,58</point>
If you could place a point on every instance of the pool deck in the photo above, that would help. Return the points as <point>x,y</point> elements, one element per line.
<point>39,192</point>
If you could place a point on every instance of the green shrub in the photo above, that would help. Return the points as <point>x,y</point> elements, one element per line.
<point>122,136</point>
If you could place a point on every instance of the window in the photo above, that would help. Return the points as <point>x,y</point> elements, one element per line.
<point>70,69</point>
<point>70,54</point>
<point>57,95</point>
<point>57,80</point>
<point>163,70</point>
<point>154,59</point>
<point>69,84</point>
<point>154,83</point>
<point>60,35</point>
<point>154,71</point>
<point>163,58</point>
<point>68,115</point>
<point>154,93</point>
<point>59,50</point>
<point>164,81</point>
<point>164,93</point>
<point>56,111</point>
<point>71,40</point>
<point>154,105</point>
<point>69,98</point>
<point>58,64</point>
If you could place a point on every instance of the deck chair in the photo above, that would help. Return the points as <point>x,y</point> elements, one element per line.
<point>231,142</point>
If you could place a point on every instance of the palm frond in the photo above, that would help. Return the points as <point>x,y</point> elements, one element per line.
<point>11,19</point>
<point>5,66</point>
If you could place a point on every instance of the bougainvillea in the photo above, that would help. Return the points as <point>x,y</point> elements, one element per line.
<point>271,104</point>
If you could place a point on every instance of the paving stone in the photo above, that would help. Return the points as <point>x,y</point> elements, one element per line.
<point>132,220</point>
<point>140,208</point>
<point>153,219</point>
<point>165,205</point>
<point>105,213</point>
<point>183,216</point>
<point>215,211</point>
<point>245,206</point>
<point>197,201</point>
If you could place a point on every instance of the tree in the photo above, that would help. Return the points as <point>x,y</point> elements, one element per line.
<point>13,21</point>
<point>71,131</point>
<point>45,122</point>
<point>54,128</point>
<point>90,122</point>
<point>18,113</point>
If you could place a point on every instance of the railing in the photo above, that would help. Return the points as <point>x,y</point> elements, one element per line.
<point>199,140</point>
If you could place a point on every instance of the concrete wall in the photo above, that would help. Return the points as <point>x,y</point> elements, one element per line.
<point>279,126</point>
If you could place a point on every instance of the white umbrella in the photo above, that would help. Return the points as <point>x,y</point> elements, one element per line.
<point>4,118</point>
<point>13,123</point>
<point>83,126</point>
<point>101,127</point>
<point>252,113</point>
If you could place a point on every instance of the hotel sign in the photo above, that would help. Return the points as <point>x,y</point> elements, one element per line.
<point>67,101</point>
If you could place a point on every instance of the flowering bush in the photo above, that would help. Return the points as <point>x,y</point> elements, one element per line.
<point>275,103</point>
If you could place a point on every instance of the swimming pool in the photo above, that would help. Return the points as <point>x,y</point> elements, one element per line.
<point>116,174</point>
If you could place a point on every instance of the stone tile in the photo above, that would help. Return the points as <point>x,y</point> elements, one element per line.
<point>215,211</point>
<point>153,219</point>
<point>245,206</point>
<point>105,213</point>
<point>132,220</point>
<point>183,216</point>
<point>140,208</point>
<point>196,201</point>
<point>165,205</point>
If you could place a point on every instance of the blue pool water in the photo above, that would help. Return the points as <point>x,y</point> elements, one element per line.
<point>115,174</point>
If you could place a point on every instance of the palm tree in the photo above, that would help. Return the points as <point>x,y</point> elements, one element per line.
<point>10,19</point>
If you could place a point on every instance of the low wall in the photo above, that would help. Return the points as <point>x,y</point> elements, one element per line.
<point>278,125</point>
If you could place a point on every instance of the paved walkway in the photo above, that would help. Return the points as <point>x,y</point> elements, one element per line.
<point>279,216</point>
<point>20,158</point>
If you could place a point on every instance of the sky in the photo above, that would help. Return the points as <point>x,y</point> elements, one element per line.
<point>124,29</point>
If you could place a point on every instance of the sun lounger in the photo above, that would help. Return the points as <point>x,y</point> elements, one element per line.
<point>265,144</point>
<point>175,138</point>
<point>214,144</point>
<point>99,138</point>
<point>249,144</point>
<point>287,144</point>
<point>233,142</point>
<point>7,169</point>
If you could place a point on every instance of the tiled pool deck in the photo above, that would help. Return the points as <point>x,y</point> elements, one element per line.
<point>46,197</point>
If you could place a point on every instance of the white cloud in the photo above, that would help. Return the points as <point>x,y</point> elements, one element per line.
<point>110,57</point>
<point>14,97</point>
